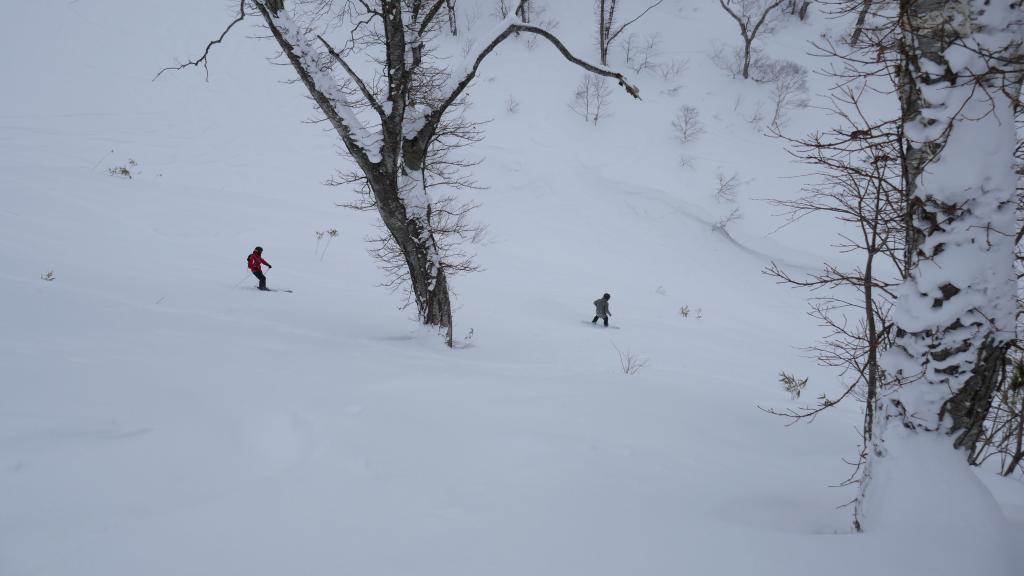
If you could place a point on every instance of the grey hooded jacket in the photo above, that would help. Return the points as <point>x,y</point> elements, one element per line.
<point>602,308</point>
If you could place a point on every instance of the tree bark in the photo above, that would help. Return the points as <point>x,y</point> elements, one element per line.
<point>746,58</point>
<point>858,28</point>
<point>453,24</point>
<point>964,354</point>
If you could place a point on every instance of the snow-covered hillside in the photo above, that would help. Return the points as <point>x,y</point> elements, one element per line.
<point>160,416</point>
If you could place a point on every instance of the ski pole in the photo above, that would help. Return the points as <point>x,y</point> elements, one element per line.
<point>240,281</point>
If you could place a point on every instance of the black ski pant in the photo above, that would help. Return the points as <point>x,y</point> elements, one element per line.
<point>594,321</point>
<point>262,279</point>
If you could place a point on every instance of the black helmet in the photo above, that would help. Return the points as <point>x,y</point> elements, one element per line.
<point>258,249</point>
<point>607,296</point>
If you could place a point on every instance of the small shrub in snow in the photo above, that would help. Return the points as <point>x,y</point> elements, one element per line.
<point>685,312</point>
<point>788,82</point>
<point>466,341</point>
<point>672,92</point>
<point>330,234</point>
<point>723,222</point>
<point>641,50</point>
<point>789,88</point>
<point>49,277</point>
<point>592,98</point>
<point>511,105</point>
<point>757,119</point>
<point>673,69</point>
<point>630,362</point>
<point>123,171</point>
<point>728,187</point>
<point>687,124</point>
<point>792,384</point>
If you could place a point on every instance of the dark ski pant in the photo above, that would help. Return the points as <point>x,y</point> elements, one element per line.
<point>594,321</point>
<point>262,279</point>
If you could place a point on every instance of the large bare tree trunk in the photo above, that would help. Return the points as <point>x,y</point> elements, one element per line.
<point>961,342</point>
<point>393,162</point>
<point>956,310</point>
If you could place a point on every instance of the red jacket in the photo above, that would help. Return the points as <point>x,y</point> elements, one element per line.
<point>254,262</point>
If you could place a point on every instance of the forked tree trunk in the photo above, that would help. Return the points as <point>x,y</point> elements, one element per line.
<point>401,164</point>
<point>393,161</point>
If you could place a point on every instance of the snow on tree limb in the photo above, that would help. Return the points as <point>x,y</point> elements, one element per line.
<point>355,77</point>
<point>631,89</point>
<point>300,49</point>
<point>463,73</point>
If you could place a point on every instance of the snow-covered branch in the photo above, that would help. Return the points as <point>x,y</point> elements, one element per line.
<point>355,77</point>
<point>462,74</point>
<point>300,49</point>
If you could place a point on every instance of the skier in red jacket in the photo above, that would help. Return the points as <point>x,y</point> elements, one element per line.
<point>255,260</point>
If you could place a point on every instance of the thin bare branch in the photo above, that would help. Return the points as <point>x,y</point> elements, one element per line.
<point>359,81</point>
<point>614,35</point>
<point>202,60</point>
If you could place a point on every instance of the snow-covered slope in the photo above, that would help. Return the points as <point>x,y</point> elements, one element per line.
<point>162,417</point>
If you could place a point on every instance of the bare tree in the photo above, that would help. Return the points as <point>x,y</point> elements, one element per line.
<point>858,180</point>
<point>608,27</point>
<point>640,51</point>
<point>728,186</point>
<point>630,362</point>
<point>591,98</point>
<point>789,89</point>
<point>750,15</point>
<point>406,102</point>
<point>687,124</point>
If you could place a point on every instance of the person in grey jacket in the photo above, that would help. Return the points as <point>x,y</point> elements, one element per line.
<point>602,309</point>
